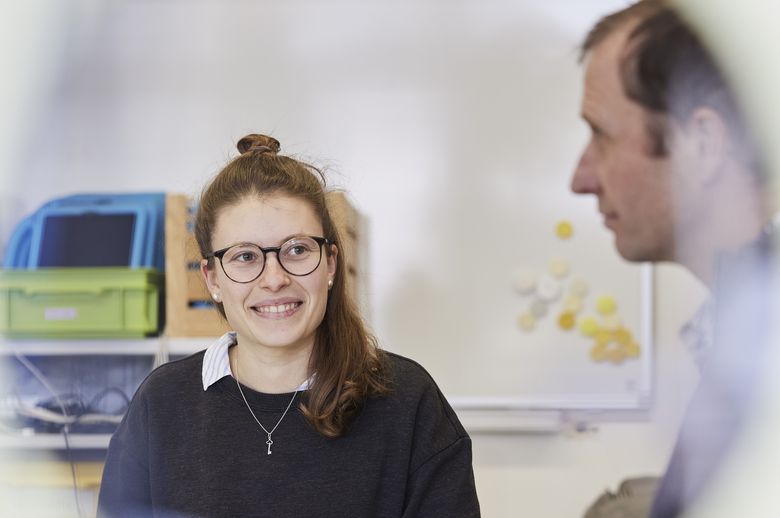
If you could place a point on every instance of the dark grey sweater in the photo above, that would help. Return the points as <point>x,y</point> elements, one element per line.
<point>185,452</point>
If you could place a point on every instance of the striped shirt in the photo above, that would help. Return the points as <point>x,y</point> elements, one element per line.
<point>216,362</point>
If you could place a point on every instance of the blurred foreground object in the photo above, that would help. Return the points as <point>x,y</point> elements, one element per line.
<point>632,499</point>
<point>743,36</point>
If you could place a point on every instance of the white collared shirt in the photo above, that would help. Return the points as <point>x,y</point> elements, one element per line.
<point>697,335</point>
<point>216,362</point>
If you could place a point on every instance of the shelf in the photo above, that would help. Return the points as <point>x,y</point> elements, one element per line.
<point>53,441</point>
<point>141,347</point>
<point>165,346</point>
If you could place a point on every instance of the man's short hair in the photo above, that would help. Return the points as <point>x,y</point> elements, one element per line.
<point>612,22</point>
<point>666,69</point>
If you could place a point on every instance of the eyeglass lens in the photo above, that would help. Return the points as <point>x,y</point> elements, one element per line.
<point>298,256</point>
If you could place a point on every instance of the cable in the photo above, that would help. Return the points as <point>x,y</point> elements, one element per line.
<point>42,379</point>
<point>49,416</point>
<point>97,398</point>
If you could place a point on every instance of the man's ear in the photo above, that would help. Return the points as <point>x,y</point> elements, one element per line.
<point>709,142</point>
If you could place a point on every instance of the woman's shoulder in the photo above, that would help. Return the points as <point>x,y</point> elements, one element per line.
<point>415,394</point>
<point>407,370</point>
<point>409,379</point>
<point>170,384</point>
<point>175,373</point>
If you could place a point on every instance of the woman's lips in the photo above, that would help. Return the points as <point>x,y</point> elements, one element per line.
<point>277,310</point>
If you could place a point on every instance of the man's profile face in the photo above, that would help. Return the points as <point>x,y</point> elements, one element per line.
<point>618,166</point>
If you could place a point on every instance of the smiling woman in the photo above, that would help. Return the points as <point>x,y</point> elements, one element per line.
<point>298,394</point>
<point>274,311</point>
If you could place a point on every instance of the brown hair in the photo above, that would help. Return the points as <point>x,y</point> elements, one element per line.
<point>666,69</point>
<point>349,365</point>
<point>610,23</point>
<point>633,14</point>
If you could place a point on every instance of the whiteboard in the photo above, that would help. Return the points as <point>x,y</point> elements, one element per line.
<point>461,317</point>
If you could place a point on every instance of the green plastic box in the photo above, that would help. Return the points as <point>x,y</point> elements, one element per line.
<point>113,302</point>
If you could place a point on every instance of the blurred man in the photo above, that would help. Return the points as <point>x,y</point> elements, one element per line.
<point>676,179</point>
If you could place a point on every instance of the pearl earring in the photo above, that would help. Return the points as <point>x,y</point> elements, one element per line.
<point>330,283</point>
<point>215,297</point>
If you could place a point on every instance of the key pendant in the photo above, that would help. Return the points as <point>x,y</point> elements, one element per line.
<point>269,442</point>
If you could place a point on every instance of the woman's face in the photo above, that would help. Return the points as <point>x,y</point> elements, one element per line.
<point>276,310</point>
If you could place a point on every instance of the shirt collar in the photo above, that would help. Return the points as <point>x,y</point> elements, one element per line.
<point>697,333</point>
<point>216,362</point>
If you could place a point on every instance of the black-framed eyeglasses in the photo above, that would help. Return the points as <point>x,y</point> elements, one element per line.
<point>245,262</point>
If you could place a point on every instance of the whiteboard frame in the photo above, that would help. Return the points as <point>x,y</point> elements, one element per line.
<point>641,400</point>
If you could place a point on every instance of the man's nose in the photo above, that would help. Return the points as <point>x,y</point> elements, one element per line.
<point>585,179</point>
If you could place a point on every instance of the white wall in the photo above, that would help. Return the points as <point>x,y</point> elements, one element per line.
<point>407,104</point>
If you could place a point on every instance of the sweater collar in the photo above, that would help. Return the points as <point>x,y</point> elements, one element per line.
<point>216,362</point>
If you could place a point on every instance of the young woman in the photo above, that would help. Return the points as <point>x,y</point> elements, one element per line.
<point>296,412</point>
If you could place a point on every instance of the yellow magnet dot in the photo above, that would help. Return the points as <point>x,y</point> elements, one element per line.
<point>572,303</point>
<point>633,350</point>
<point>623,336</point>
<point>616,356</point>
<point>598,353</point>
<point>566,320</point>
<point>603,337</point>
<point>606,305</point>
<point>526,322</point>
<point>564,229</point>
<point>578,288</point>
<point>611,322</point>
<point>589,326</point>
<point>559,267</point>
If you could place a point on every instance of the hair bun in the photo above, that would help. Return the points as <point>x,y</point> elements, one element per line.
<point>255,143</point>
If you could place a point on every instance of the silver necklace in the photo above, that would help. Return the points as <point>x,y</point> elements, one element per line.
<point>270,441</point>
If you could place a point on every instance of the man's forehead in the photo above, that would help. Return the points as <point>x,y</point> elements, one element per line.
<point>602,77</point>
<point>612,50</point>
